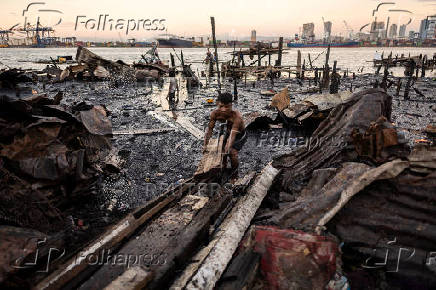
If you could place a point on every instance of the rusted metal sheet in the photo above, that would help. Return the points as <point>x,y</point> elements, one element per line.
<point>42,155</point>
<point>96,121</point>
<point>329,142</point>
<point>281,100</point>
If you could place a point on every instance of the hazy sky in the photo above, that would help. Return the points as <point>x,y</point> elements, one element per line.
<point>234,18</point>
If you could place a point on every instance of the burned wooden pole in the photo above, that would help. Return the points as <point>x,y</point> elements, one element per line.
<point>411,69</point>
<point>326,76</point>
<point>182,59</point>
<point>173,63</point>
<point>258,55</point>
<point>336,79</point>
<point>298,64</point>
<point>310,62</point>
<point>423,64</point>
<point>384,84</point>
<point>235,89</point>
<point>212,22</point>
<point>279,58</point>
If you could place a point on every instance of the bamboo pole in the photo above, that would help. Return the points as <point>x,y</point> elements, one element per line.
<point>212,22</point>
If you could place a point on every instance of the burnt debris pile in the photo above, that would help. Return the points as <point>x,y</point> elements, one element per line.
<point>362,183</point>
<point>51,154</point>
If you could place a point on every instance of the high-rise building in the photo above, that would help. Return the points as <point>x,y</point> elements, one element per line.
<point>377,30</point>
<point>393,31</point>
<point>253,36</point>
<point>309,31</point>
<point>327,30</point>
<point>423,29</point>
<point>402,32</point>
<point>430,32</point>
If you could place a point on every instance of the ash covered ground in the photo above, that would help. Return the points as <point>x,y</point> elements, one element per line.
<point>155,161</point>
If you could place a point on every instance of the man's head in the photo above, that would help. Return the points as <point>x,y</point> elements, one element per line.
<point>224,102</point>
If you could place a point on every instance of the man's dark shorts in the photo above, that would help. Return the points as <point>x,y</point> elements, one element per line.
<point>240,140</point>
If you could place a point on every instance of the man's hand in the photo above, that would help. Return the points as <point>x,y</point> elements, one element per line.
<point>227,149</point>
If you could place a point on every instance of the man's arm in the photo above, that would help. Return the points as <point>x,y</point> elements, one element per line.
<point>209,130</point>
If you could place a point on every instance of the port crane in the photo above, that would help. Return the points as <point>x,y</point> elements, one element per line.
<point>4,34</point>
<point>39,33</point>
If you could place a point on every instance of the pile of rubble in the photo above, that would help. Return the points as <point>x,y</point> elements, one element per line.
<point>361,182</point>
<point>353,209</point>
<point>52,156</point>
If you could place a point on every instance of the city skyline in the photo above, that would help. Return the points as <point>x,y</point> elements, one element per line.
<point>235,19</point>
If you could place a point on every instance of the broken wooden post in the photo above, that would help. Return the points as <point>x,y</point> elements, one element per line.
<point>182,59</point>
<point>235,89</point>
<point>310,62</point>
<point>384,84</point>
<point>321,82</point>
<point>298,64</point>
<point>423,64</point>
<point>411,69</point>
<point>173,63</point>
<point>377,72</point>
<point>234,49</point>
<point>279,58</point>
<point>212,21</point>
<point>258,55</point>
<point>336,78</point>
<point>326,79</point>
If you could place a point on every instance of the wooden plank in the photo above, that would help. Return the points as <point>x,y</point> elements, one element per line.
<point>78,264</point>
<point>147,249</point>
<point>134,278</point>
<point>143,131</point>
<point>180,249</point>
<point>232,230</point>
<point>212,160</point>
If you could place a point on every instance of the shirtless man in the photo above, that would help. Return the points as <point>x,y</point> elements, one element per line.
<point>235,135</point>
